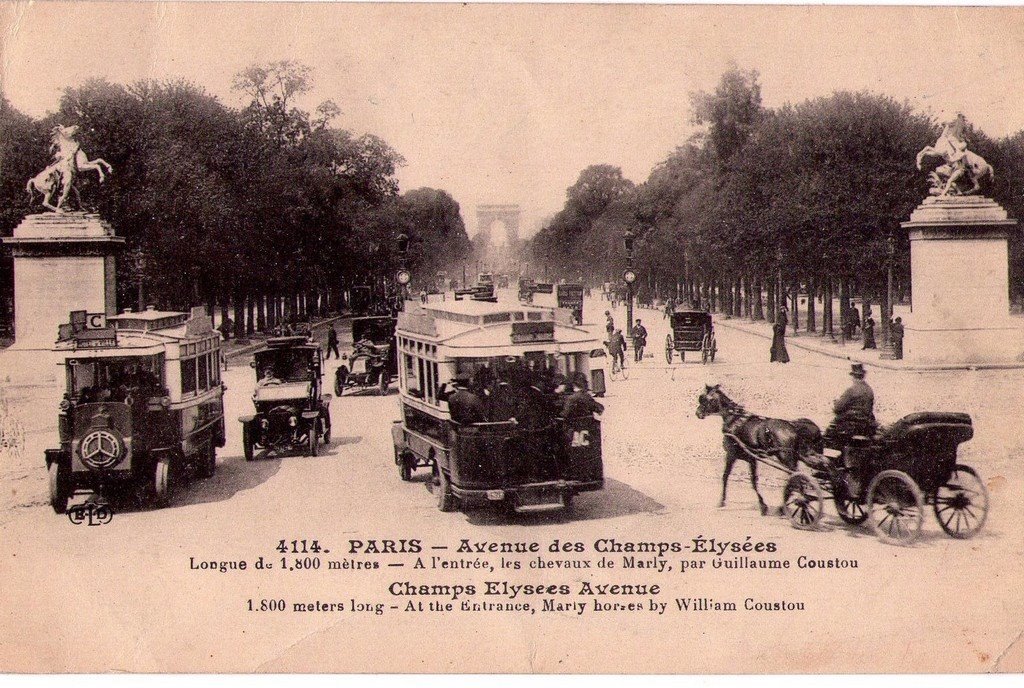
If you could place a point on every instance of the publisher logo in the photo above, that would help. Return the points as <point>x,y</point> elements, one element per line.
<point>90,514</point>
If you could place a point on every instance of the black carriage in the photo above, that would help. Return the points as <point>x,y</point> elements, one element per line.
<point>888,480</point>
<point>291,410</point>
<point>373,361</point>
<point>691,331</point>
<point>361,300</point>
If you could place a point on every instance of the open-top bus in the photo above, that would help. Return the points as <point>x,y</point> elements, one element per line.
<point>520,451</point>
<point>143,402</point>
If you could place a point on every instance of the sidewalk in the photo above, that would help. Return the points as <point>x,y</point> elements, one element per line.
<point>851,351</point>
<point>234,348</point>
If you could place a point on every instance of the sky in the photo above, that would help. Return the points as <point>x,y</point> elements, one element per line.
<point>508,103</point>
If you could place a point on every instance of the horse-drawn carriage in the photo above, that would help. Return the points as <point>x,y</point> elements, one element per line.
<point>886,480</point>
<point>691,331</point>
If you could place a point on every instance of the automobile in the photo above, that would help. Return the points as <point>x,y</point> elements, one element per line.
<point>143,404</point>
<point>373,361</point>
<point>531,460</point>
<point>291,410</point>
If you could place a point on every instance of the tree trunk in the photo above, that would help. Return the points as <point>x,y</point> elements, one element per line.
<point>737,297</point>
<point>795,309</point>
<point>812,324</point>
<point>883,319</point>
<point>238,305</point>
<point>865,311</point>
<point>826,308</point>
<point>844,299</point>
<point>758,304</point>
<point>250,320</point>
<point>771,300</point>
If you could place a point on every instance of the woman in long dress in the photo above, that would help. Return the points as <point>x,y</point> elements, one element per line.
<point>779,352</point>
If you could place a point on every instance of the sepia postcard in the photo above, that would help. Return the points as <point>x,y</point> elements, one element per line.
<point>511,338</point>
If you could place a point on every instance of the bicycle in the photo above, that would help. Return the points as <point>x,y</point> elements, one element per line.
<point>619,371</point>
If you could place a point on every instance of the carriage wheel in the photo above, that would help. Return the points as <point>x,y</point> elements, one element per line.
<point>848,508</point>
<point>802,501</point>
<point>895,507</point>
<point>705,351</point>
<point>961,503</point>
<point>668,349</point>
<point>714,348</point>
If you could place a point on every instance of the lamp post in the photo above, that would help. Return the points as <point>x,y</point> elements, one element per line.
<point>629,277</point>
<point>402,277</point>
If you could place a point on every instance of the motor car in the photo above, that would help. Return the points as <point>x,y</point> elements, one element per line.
<point>290,409</point>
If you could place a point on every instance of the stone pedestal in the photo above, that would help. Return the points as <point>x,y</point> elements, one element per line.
<point>63,262</point>
<point>959,270</point>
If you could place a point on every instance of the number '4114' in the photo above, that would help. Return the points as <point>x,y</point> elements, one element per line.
<point>299,546</point>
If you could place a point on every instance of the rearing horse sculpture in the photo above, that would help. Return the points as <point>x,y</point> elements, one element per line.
<point>68,160</point>
<point>785,442</point>
<point>951,147</point>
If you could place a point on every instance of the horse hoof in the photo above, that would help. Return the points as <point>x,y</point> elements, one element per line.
<point>721,505</point>
<point>764,511</point>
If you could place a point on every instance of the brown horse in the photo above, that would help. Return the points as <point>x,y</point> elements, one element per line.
<point>780,441</point>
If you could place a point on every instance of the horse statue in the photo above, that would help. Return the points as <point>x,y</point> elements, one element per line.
<point>951,147</point>
<point>752,438</point>
<point>68,160</point>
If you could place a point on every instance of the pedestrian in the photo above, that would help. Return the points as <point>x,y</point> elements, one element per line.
<point>639,340</point>
<point>869,334</point>
<point>854,320</point>
<point>332,342</point>
<point>778,352</point>
<point>609,324</point>
<point>897,338</point>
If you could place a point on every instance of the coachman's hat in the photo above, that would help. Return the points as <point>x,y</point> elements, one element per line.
<point>857,371</point>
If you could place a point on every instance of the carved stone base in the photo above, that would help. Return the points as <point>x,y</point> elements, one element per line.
<point>960,283</point>
<point>62,262</point>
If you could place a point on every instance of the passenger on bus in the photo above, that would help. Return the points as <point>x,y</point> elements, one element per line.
<point>580,404</point>
<point>464,406</point>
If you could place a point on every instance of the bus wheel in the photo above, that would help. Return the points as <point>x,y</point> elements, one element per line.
<point>208,462</point>
<point>446,501</point>
<point>59,487</point>
<point>404,465</point>
<point>163,481</point>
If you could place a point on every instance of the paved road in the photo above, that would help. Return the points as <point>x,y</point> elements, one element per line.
<point>125,596</point>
